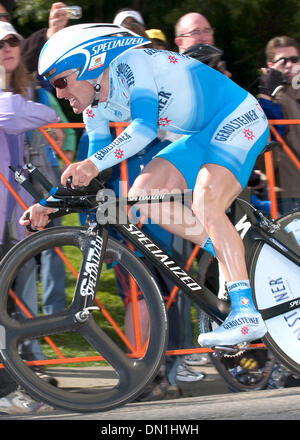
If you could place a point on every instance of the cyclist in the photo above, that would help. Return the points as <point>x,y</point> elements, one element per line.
<point>97,69</point>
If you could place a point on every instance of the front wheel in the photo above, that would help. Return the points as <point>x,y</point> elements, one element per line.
<point>121,366</point>
<point>276,280</point>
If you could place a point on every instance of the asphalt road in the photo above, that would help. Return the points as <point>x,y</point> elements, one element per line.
<point>209,401</point>
<point>282,404</point>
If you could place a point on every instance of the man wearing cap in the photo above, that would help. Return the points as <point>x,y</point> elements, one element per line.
<point>158,39</point>
<point>126,13</point>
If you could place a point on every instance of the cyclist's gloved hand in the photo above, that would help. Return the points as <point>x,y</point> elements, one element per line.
<point>271,82</point>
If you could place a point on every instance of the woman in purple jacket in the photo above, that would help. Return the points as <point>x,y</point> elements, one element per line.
<point>17,115</point>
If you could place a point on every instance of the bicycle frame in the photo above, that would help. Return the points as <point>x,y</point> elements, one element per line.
<point>254,226</point>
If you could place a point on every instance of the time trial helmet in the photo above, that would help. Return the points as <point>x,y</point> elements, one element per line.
<point>88,48</point>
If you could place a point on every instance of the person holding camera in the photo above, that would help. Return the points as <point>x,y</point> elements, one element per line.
<point>279,96</point>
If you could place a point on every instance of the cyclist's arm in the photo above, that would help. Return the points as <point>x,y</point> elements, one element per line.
<point>143,128</point>
<point>98,133</point>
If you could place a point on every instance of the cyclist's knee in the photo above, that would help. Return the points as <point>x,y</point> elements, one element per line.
<point>141,186</point>
<point>158,177</point>
<point>210,204</point>
<point>207,206</point>
<point>216,189</point>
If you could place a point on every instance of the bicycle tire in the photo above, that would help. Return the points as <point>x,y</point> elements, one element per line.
<point>282,337</point>
<point>249,371</point>
<point>132,375</point>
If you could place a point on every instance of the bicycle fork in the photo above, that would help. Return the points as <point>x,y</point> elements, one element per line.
<point>93,250</point>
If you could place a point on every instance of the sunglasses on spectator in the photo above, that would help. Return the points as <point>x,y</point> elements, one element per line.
<point>4,16</point>
<point>294,59</point>
<point>196,32</point>
<point>12,42</point>
<point>61,83</point>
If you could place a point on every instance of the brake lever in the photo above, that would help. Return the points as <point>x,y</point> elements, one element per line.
<point>28,227</point>
<point>69,184</point>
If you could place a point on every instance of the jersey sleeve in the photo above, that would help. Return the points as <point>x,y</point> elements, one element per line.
<point>144,111</point>
<point>97,129</point>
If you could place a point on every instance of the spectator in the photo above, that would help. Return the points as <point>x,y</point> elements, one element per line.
<point>52,269</point>
<point>5,7</point>
<point>192,29</point>
<point>32,46</point>
<point>17,115</point>
<point>279,97</point>
<point>158,39</point>
<point>132,20</point>
<point>43,157</point>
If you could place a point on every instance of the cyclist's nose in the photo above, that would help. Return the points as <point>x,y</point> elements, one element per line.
<point>61,93</point>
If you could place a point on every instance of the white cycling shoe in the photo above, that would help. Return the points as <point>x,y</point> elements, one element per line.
<point>238,327</point>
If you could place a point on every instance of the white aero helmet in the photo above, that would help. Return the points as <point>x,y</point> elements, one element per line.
<point>88,48</point>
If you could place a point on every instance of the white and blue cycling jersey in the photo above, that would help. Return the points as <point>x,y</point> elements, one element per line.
<point>220,122</point>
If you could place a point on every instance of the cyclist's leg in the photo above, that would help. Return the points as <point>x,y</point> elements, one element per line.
<point>158,177</point>
<point>230,158</point>
<point>217,185</point>
<point>216,188</point>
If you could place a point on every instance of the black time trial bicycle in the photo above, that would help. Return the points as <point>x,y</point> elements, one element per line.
<point>272,254</point>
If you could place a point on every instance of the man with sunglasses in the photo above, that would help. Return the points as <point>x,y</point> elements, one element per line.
<point>280,99</point>
<point>193,29</point>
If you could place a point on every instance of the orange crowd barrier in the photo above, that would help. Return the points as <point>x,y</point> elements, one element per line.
<point>269,160</point>
<point>137,350</point>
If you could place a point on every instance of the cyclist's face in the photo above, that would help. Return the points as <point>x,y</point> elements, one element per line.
<point>80,94</point>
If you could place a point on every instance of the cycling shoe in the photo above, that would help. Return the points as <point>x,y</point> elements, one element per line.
<point>243,326</point>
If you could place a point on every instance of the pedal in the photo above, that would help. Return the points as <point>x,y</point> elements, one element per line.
<point>229,350</point>
<point>221,350</point>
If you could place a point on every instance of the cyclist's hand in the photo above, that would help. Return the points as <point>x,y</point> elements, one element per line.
<point>36,216</point>
<point>81,172</point>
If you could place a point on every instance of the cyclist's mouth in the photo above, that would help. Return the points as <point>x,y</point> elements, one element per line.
<point>72,101</point>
